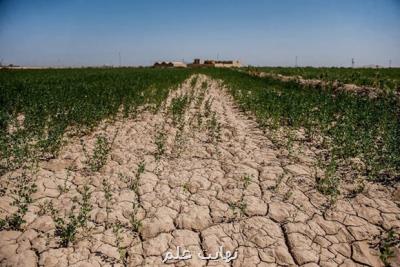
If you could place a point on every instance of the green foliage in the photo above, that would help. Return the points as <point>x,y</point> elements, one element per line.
<point>238,208</point>
<point>386,246</point>
<point>140,169</point>
<point>67,228</point>
<point>193,81</point>
<point>53,101</point>
<point>384,78</point>
<point>329,185</point>
<point>214,128</point>
<point>22,196</point>
<point>135,223</point>
<point>100,153</point>
<point>108,197</point>
<point>354,126</point>
<point>160,144</point>
<point>247,180</point>
<point>178,107</point>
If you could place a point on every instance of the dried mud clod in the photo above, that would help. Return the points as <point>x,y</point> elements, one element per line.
<point>197,174</point>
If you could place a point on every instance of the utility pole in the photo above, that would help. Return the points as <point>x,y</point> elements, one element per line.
<point>295,64</point>
<point>390,63</point>
<point>352,62</point>
<point>119,58</point>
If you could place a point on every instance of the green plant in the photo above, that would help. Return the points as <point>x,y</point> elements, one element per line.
<point>193,81</point>
<point>100,153</point>
<point>22,197</point>
<point>329,185</point>
<point>123,253</point>
<point>185,187</point>
<point>108,197</point>
<point>59,102</point>
<point>67,228</point>
<point>287,195</point>
<point>214,128</point>
<point>238,208</point>
<point>207,107</point>
<point>178,107</point>
<point>65,188</point>
<point>386,246</point>
<point>135,223</point>
<point>246,180</point>
<point>160,144</point>
<point>46,208</point>
<point>352,126</point>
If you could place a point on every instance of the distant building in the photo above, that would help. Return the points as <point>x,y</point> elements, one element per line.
<point>215,63</point>
<point>169,64</point>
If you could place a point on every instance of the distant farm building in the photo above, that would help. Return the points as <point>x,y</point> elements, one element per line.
<point>198,63</point>
<point>169,64</point>
<point>215,63</point>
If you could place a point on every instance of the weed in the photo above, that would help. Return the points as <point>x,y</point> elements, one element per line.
<point>214,128</point>
<point>287,195</point>
<point>352,126</point>
<point>140,169</point>
<point>238,208</point>
<point>123,254</point>
<point>58,101</point>
<point>246,180</point>
<point>160,144</point>
<point>100,153</point>
<point>22,196</point>
<point>193,81</point>
<point>65,188</point>
<point>178,107</point>
<point>386,246</point>
<point>108,197</point>
<point>185,187</point>
<point>67,228</point>
<point>46,208</point>
<point>329,185</point>
<point>207,107</point>
<point>134,222</point>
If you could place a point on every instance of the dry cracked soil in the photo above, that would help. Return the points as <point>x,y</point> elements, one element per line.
<point>199,179</point>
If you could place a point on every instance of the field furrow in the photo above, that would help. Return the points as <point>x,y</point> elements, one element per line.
<point>199,173</point>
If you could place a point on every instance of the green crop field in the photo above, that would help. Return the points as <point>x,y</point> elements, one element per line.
<point>52,100</point>
<point>387,79</point>
<point>96,150</point>
<point>354,126</point>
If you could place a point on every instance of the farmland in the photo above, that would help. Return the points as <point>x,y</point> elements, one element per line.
<point>118,166</point>
<point>387,79</point>
<point>51,101</point>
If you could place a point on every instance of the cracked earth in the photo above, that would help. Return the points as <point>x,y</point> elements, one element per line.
<point>212,179</point>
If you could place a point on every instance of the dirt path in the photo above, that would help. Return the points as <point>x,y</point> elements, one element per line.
<point>200,179</point>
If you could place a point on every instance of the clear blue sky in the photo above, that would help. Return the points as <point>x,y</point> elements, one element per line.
<point>89,32</point>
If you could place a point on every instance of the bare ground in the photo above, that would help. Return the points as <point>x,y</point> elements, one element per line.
<point>211,179</point>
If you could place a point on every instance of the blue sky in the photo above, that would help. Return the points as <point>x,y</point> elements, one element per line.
<point>258,32</point>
